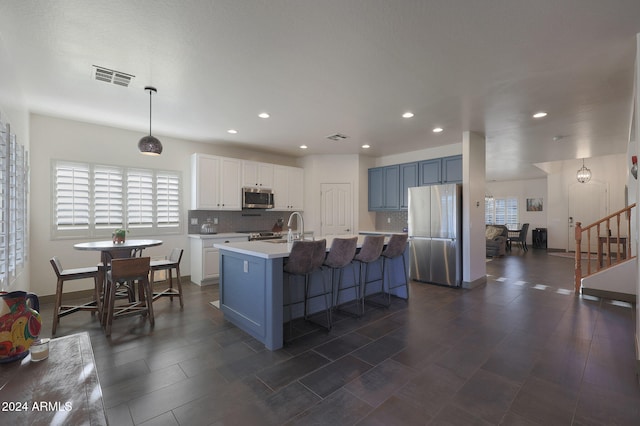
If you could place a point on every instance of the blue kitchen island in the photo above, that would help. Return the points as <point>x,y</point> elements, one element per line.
<point>252,283</point>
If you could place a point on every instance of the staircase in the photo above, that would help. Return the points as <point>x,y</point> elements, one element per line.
<point>603,245</point>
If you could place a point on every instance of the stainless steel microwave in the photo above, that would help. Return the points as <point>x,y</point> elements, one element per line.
<point>257,198</point>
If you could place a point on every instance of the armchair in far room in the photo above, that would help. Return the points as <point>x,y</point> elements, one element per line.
<point>496,236</point>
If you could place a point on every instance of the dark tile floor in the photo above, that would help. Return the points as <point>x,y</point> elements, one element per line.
<point>521,350</point>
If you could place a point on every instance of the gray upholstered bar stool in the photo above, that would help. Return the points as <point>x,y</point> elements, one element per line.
<point>341,254</point>
<point>63,275</point>
<point>305,258</point>
<point>395,248</point>
<point>369,252</point>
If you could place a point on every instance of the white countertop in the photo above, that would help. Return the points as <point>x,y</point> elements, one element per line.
<point>268,249</point>
<point>220,235</point>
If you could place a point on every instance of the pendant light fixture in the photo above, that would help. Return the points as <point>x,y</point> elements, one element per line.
<point>150,145</point>
<point>584,174</point>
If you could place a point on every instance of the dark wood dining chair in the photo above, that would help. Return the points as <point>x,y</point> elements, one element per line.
<point>132,270</point>
<point>63,275</point>
<point>173,262</point>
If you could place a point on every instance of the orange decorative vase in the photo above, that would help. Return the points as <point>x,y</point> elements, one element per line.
<point>20,324</point>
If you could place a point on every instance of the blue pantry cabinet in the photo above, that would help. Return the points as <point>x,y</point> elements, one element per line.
<point>384,186</point>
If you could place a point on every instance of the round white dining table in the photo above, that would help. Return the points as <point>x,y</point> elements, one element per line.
<point>109,250</point>
<point>109,245</point>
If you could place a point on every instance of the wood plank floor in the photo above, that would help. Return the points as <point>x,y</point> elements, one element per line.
<point>521,350</point>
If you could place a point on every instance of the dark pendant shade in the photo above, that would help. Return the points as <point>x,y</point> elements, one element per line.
<point>150,145</point>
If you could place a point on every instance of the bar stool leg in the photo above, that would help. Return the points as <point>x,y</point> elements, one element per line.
<point>337,288</point>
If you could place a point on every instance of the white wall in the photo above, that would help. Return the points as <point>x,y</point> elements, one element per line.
<point>13,110</point>
<point>55,138</point>
<point>636,149</point>
<point>523,189</point>
<point>319,169</point>
<point>474,247</point>
<point>611,170</point>
<point>423,154</point>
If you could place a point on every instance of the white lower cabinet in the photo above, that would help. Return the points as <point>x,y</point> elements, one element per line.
<point>205,259</point>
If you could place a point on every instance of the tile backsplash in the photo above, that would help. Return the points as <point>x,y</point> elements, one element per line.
<point>233,221</point>
<point>392,221</point>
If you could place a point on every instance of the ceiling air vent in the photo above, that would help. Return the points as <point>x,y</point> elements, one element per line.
<point>337,137</point>
<point>111,76</point>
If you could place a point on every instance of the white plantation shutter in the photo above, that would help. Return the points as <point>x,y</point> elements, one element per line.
<point>108,196</point>
<point>4,203</point>
<point>489,211</point>
<point>17,206</point>
<point>13,206</point>
<point>72,196</point>
<point>504,211</point>
<point>140,198</point>
<point>168,199</point>
<point>93,200</point>
<point>512,211</point>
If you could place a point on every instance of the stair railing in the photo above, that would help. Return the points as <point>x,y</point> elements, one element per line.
<point>619,239</point>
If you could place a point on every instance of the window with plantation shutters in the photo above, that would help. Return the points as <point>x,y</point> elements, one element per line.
<point>72,196</point>
<point>91,200</point>
<point>13,206</point>
<point>140,199</point>
<point>107,197</point>
<point>168,199</point>
<point>502,211</point>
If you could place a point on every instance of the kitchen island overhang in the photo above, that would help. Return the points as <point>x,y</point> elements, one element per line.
<point>252,285</point>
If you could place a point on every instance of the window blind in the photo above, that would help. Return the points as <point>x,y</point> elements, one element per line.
<point>168,199</point>
<point>13,206</point>
<point>140,198</point>
<point>72,196</point>
<point>93,200</point>
<point>501,211</point>
<point>107,192</point>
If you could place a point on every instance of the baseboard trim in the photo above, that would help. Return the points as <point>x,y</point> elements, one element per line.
<point>612,295</point>
<point>475,283</point>
<point>637,359</point>
<point>51,298</point>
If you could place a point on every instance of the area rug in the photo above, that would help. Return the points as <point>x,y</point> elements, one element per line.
<point>215,304</point>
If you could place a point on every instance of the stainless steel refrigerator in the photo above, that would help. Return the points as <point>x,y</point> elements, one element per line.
<point>435,228</point>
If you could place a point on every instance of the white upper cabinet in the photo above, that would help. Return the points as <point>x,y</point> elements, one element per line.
<point>215,183</point>
<point>230,186</point>
<point>258,175</point>
<point>288,188</point>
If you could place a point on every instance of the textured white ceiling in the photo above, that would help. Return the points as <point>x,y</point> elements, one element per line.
<point>347,66</point>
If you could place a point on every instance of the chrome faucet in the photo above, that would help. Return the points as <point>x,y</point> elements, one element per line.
<point>300,223</point>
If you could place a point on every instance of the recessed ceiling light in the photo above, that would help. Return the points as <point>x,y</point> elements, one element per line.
<point>263,115</point>
<point>407,114</point>
<point>232,131</point>
<point>540,114</point>
<point>303,147</point>
<point>365,146</point>
<point>438,130</point>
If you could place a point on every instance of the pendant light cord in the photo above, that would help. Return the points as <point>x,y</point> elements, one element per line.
<point>150,93</point>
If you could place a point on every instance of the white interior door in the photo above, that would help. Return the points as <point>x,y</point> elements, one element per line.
<point>337,208</point>
<point>588,202</point>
